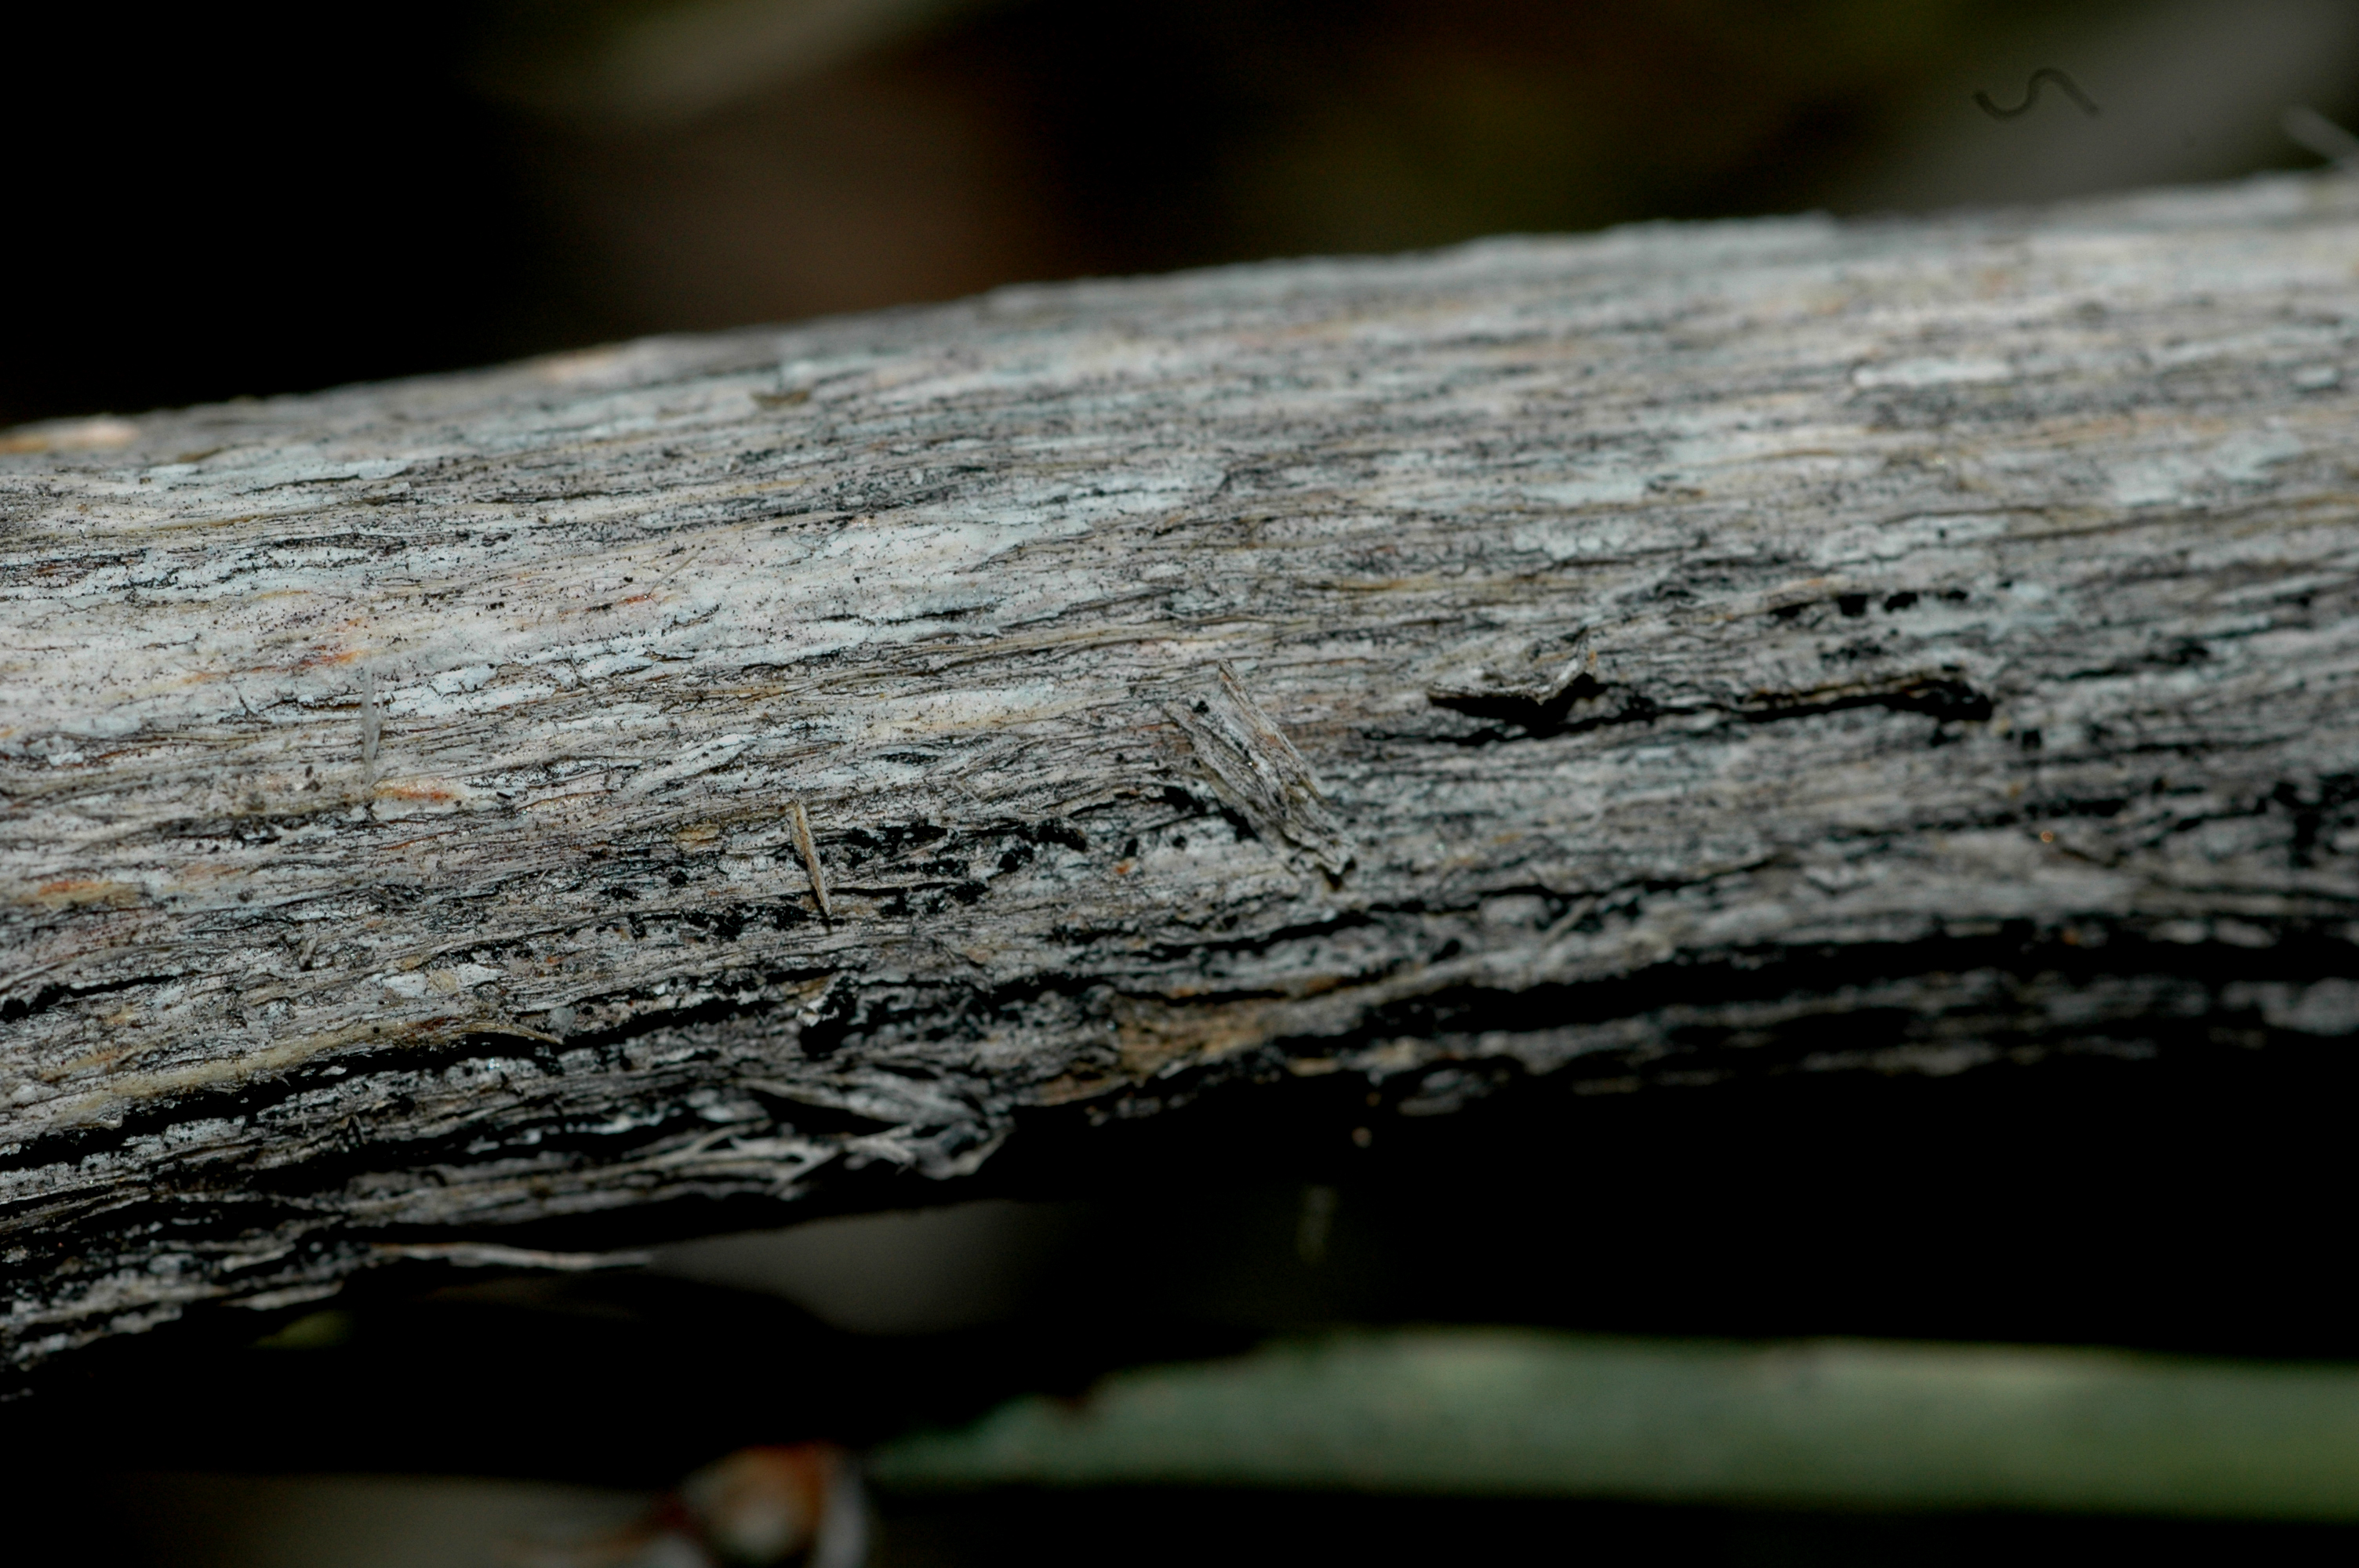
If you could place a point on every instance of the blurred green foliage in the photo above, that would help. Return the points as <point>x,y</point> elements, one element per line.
<point>1856,1423</point>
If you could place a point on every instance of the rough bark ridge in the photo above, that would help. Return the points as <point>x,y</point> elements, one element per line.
<point>1679,651</point>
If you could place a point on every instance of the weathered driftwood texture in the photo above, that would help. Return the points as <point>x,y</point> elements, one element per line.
<point>1685,650</point>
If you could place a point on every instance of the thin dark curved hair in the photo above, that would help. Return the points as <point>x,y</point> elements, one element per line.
<point>2064,84</point>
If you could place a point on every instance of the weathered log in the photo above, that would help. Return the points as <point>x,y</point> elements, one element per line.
<point>710,766</point>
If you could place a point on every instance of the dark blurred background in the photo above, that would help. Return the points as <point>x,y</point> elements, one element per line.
<point>2188,1202</point>
<point>215,202</point>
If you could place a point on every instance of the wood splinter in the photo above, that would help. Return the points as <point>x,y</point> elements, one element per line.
<point>810,859</point>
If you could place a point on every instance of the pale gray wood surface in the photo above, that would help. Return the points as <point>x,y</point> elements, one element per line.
<point>1683,652</point>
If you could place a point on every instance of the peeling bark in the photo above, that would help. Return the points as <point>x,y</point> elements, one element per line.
<point>1674,654</point>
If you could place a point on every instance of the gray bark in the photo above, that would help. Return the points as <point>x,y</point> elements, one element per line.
<point>1677,653</point>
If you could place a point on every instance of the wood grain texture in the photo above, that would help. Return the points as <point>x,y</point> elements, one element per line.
<point>1682,652</point>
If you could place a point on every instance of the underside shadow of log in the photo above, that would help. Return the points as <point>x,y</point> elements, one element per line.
<point>736,767</point>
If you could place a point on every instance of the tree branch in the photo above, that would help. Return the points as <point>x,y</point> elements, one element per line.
<point>1679,653</point>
